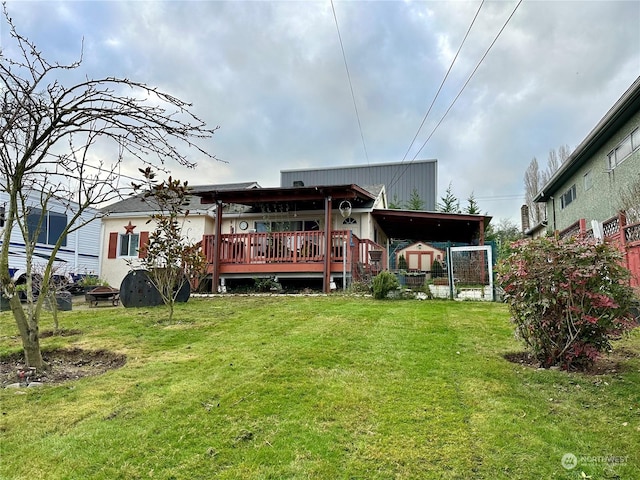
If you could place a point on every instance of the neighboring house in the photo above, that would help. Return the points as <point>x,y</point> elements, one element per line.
<point>539,230</point>
<point>126,228</point>
<point>79,253</point>
<point>420,256</point>
<point>400,179</point>
<point>590,187</point>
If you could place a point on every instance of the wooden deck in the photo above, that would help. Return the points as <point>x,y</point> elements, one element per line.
<point>292,252</point>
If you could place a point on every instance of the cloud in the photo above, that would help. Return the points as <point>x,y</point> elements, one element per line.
<point>271,74</point>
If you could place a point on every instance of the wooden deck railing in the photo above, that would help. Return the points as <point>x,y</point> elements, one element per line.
<point>625,237</point>
<point>291,247</point>
<point>632,233</point>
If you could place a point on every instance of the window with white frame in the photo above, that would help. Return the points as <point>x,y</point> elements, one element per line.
<point>626,147</point>
<point>568,196</point>
<point>129,244</point>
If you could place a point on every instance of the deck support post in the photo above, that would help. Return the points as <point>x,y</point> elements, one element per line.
<point>326,283</point>
<point>215,275</point>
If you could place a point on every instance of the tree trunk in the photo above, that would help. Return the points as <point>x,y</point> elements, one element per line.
<point>29,335</point>
<point>170,304</point>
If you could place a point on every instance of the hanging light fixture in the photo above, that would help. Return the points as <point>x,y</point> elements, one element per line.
<point>345,208</point>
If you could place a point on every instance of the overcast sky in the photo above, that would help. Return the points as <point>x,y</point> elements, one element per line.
<point>272,76</point>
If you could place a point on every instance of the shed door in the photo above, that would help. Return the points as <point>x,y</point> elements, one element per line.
<point>419,260</point>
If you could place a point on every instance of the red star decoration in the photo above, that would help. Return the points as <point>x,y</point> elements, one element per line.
<point>129,228</point>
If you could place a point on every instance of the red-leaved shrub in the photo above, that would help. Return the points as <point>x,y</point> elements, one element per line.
<point>568,299</point>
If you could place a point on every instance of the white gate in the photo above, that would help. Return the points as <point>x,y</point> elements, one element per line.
<point>470,273</point>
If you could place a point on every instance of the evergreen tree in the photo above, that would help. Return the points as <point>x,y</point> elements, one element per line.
<point>472,207</point>
<point>415,202</point>
<point>450,203</point>
<point>402,263</point>
<point>396,203</point>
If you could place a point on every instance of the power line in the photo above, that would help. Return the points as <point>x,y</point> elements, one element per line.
<point>443,81</point>
<point>461,90</point>
<point>346,66</point>
<point>424,119</point>
<point>500,198</point>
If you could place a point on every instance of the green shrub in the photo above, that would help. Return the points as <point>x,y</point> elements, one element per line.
<point>568,299</point>
<point>92,281</point>
<point>383,283</point>
<point>436,268</point>
<point>268,284</point>
<point>359,287</point>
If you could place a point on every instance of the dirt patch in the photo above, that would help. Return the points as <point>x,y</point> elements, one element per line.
<point>614,362</point>
<point>59,333</point>
<point>64,365</point>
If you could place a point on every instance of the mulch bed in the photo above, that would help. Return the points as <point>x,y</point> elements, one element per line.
<point>64,365</point>
<point>611,363</point>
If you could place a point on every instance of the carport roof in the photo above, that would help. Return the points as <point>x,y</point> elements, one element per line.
<point>431,226</point>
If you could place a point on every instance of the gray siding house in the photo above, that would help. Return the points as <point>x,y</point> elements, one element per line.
<point>399,179</point>
<point>591,183</point>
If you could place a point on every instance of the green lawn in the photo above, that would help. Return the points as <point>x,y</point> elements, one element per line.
<point>316,387</point>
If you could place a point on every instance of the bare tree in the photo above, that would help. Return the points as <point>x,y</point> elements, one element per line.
<point>630,201</point>
<point>52,135</point>
<point>532,185</point>
<point>535,179</point>
<point>555,159</point>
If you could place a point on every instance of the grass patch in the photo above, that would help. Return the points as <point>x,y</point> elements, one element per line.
<point>316,387</point>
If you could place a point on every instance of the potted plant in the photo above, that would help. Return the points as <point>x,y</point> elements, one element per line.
<point>89,282</point>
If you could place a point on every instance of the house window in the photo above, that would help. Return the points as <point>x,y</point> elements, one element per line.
<point>51,226</point>
<point>349,221</point>
<point>287,226</point>
<point>568,196</point>
<point>129,244</point>
<point>626,147</point>
<point>588,180</point>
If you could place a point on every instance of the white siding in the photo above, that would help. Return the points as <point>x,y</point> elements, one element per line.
<point>79,255</point>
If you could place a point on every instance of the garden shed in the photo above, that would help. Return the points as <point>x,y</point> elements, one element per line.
<point>419,256</point>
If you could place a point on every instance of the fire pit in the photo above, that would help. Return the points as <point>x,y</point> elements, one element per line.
<point>103,294</point>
